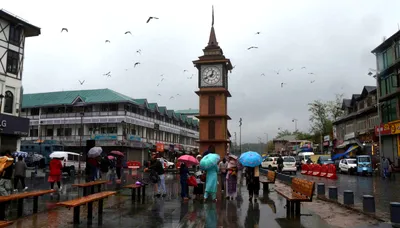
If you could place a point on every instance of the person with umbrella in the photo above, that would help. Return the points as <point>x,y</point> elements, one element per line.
<point>184,174</point>
<point>252,160</point>
<point>55,168</point>
<point>231,177</point>
<point>209,164</point>
<point>156,169</point>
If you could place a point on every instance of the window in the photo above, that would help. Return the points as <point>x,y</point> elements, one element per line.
<point>68,131</point>
<point>389,111</point>
<point>385,60</point>
<point>8,102</point>
<point>59,131</point>
<point>211,105</point>
<point>33,132</point>
<point>80,133</point>
<point>113,107</point>
<point>211,129</point>
<point>49,132</point>
<point>15,34</point>
<point>104,108</point>
<point>12,62</point>
<point>397,50</point>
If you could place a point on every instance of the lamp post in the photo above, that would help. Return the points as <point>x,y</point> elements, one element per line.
<point>295,124</point>
<point>266,142</point>
<point>80,142</point>
<point>240,135</point>
<point>259,141</point>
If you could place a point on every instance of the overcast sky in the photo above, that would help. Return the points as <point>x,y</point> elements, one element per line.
<point>332,39</point>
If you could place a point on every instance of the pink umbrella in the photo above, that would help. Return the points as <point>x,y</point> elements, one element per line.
<point>189,160</point>
<point>118,153</point>
<point>110,157</point>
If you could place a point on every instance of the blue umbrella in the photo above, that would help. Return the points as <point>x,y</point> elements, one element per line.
<point>250,159</point>
<point>209,161</point>
<point>20,153</point>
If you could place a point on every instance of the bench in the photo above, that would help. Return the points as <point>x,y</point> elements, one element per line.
<point>300,191</point>
<point>90,185</point>
<point>20,197</point>
<point>133,187</point>
<point>76,203</point>
<point>271,176</point>
<point>5,223</point>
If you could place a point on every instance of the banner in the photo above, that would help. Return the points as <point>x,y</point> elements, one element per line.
<point>160,147</point>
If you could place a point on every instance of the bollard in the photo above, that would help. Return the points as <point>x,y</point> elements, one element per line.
<point>368,203</point>
<point>348,197</point>
<point>395,212</point>
<point>333,192</point>
<point>321,189</point>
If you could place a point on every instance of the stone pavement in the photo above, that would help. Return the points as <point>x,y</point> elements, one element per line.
<point>169,212</point>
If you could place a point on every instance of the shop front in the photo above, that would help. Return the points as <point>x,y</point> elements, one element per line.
<point>391,143</point>
<point>349,140</point>
<point>12,128</point>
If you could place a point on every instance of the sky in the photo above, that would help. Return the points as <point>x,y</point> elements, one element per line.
<point>332,39</point>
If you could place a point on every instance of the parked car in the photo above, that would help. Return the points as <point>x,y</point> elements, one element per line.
<point>325,160</point>
<point>289,165</point>
<point>167,164</point>
<point>348,165</point>
<point>270,163</point>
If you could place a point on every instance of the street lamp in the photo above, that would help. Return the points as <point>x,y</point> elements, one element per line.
<point>266,142</point>
<point>295,124</point>
<point>259,140</point>
<point>80,143</point>
<point>240,135</point>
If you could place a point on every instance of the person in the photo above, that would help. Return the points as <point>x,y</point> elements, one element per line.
<point>223,165</point>
<point>5,181</point>
<point>94,164</point>
<point>55,167</point>
<point>231,179</point>
<point>199,190</point>
<point>309,161</point>
<point>253,182</point>
<point>19,174</point>
<point>104,166</point>
<point>279,162</point>
<point>211,183</point>
<point>184,173</point>
<point>157,169</point>
<point>240,169</point>
<point>385,167</point>
<point>118,167</point>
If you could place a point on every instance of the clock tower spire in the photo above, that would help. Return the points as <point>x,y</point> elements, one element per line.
<point>213,95</point>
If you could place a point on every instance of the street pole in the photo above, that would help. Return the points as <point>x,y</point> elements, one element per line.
<point>235,145</point>
<point>295,124</point>
<point>378,95</point>
<point>80,143</point>
<point>259,141</point>
<point>240,135</point>
<point>322,149</point>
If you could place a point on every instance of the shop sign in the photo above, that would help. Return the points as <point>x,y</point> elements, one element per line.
<point>351,135</point>
<point>327,138</point>
<point>14,125</point>
<point>160,147</point>
<point>394,127</point>
<point>104,137</point>
<point>134,138</point>
<point>398,145</point>
<point>383,128</point>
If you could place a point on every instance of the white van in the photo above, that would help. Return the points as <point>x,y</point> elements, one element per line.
<point>70,161</point>
<point>304,156</point>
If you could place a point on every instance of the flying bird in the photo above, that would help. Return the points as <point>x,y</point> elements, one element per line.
<point>312,81</point>
<point>310,73</point>
<point>158,84</point>
<point>139,51</point>
<point>64,29</point>
<point>190,77</point>
<point>185,71</point>
<point>81,82</point>
<point>137,63</point>
<point>162,79</point>
<point>150,18</point>
<point>107,41</point>
<point>258,33</point>
<point>159,94</point>
<point>277,71</point>
<point>128,32</point>
<point>172,97</point>
<point>177,94</point>
<point>251,47</point>
<point>162,75</point>
<point>108,74</point>
<point>233,67</point>
<point>282,84</point>
<point>303,68</point>
<point>290,69</point>
<point>262,74</point>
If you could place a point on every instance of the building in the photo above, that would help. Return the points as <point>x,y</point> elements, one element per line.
<point>358,123</point>
<point>388,68</point>
<point>189,113</point>
<point>213,94</point>
<point>13,31</point>
<point>288,144</point>
<point>113,120</point>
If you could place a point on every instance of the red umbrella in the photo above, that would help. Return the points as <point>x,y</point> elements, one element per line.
<point>118,153</point>
<point>190,160</point>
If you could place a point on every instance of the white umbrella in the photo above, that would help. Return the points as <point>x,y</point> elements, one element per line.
<point>37,157</point>
<point>95,152</point>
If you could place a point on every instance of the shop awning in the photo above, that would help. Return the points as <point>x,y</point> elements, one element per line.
<point>349,142</point>
<point>337,156</point>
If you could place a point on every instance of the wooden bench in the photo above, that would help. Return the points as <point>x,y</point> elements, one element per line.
<point>133,187</point>
<point>271,176</point>
<point>300,191</point>
<point>90,185</point>
<point>5,223</point>
<point>20,197</point>
<point>76,203</point>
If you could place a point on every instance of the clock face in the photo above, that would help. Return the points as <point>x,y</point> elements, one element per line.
<point>212,75</point>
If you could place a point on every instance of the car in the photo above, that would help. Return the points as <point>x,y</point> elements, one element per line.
<point>348,165</point>
<point>289,165</point>
<point>167,164</point>
<point>325,160</point>
<point>270,163</point>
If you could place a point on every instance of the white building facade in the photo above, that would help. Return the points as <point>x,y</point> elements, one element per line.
<point>113,120</point>
<point>13,31</point>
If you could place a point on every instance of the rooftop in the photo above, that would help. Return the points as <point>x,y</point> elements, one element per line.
<point>188,111</point>
<point>94,96</point>
<point>386,43</point>
<point>29,29</point>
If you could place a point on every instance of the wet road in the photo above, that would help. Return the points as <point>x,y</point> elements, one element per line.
<point>384,190</point>
<point>166,212</point>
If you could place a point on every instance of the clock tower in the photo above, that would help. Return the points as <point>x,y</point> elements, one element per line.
<point>213,95</point>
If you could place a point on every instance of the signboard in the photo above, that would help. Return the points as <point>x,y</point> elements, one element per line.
<point>394,127</point>
<point>104,137</point>
<point>134,138</point>
<point>398,145</point>
<point>334,131</point>
<point>160,147</point>
<point>13,125</point>
<point>384,128</point>
<point>351,135</point>
<point>327,138</point>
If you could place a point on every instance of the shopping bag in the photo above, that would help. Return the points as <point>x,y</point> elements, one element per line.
<point>191,181</point>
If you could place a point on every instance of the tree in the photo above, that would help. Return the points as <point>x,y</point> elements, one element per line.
<point>303,135</point>
<point>270,146</point>
<point>283,133</point>
<point>320,117</point>
<point>335,107</point>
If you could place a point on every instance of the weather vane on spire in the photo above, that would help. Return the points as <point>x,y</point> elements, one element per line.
<point>212,21</point>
